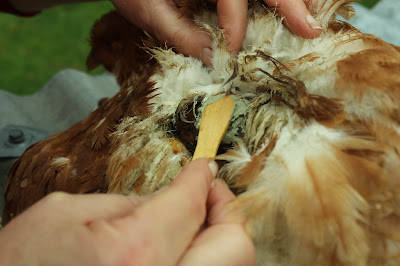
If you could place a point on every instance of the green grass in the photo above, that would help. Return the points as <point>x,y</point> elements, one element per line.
<point>34,49</point>
<point>368,3</point>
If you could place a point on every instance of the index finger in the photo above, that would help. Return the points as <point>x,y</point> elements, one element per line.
<point>297,17</point>
<point>230,238</point>
<point>232,17</point>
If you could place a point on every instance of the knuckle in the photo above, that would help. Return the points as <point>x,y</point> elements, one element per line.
<point>56,198</point>
<point>180,40</point>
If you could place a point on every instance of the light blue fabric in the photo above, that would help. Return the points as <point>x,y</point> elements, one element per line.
<point>383,20</point>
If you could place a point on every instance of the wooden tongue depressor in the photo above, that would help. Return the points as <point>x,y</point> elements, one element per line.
<point>213,125</point>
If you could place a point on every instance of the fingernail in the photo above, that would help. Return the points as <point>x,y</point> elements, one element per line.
<point>206,55</point>
<point>213,168</point>
<point>212,183</point>
<point>313,23</point>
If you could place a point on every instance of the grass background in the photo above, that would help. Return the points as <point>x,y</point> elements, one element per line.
<point>34,49</point>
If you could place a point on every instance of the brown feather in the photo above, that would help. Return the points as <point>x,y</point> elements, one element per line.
<point>117,45</point>
<point>316,166</point>
<point>255,166</point>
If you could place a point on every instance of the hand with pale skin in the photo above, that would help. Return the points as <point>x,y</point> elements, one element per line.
<point>162,19</point>
<point>183,224</point>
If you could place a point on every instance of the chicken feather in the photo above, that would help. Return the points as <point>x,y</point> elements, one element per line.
<point>315,157</point>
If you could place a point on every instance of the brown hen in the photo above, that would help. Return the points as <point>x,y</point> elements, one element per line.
<point>313,150</point>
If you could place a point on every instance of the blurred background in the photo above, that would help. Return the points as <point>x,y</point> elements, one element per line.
<point>34,49</point>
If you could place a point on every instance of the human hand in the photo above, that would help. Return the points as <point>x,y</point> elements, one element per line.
<point>159,229</point>
<point>163,20</point>
<point>297,17</point>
